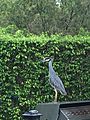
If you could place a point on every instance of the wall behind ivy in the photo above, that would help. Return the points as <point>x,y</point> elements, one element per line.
<point>24,78</point>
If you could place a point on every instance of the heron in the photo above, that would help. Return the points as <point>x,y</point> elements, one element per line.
<point>54,79</point>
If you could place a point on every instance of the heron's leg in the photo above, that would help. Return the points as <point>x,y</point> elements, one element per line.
<point>55,95</point>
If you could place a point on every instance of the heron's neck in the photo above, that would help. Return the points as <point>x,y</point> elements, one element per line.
<point>50,64</point>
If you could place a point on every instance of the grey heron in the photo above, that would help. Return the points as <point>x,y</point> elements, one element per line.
<point>54,80</point>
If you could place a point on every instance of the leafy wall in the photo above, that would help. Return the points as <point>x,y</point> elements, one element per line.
<point>24,78</point>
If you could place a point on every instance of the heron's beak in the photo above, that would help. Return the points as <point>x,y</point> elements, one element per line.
<point>43,61</point>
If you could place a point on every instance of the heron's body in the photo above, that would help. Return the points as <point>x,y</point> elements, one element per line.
<point>54,80</point>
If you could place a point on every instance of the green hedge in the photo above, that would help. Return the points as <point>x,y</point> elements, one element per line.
<point>24,79</point>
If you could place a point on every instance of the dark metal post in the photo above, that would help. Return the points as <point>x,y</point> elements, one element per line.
<point>31,116</point>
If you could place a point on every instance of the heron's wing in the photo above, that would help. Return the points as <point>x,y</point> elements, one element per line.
<point>57,82</point>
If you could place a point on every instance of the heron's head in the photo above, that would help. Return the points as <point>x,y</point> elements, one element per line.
<point>47,59</point>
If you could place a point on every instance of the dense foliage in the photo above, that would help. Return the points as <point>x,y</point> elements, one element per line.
<point>24,78</point>
<point>51,16</point>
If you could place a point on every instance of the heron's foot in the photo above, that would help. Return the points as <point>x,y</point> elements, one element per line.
<point>55,100</point>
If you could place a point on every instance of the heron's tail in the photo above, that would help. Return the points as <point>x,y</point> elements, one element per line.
<point>63,92</point>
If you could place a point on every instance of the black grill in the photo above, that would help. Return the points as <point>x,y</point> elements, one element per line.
<point>75,111</point>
